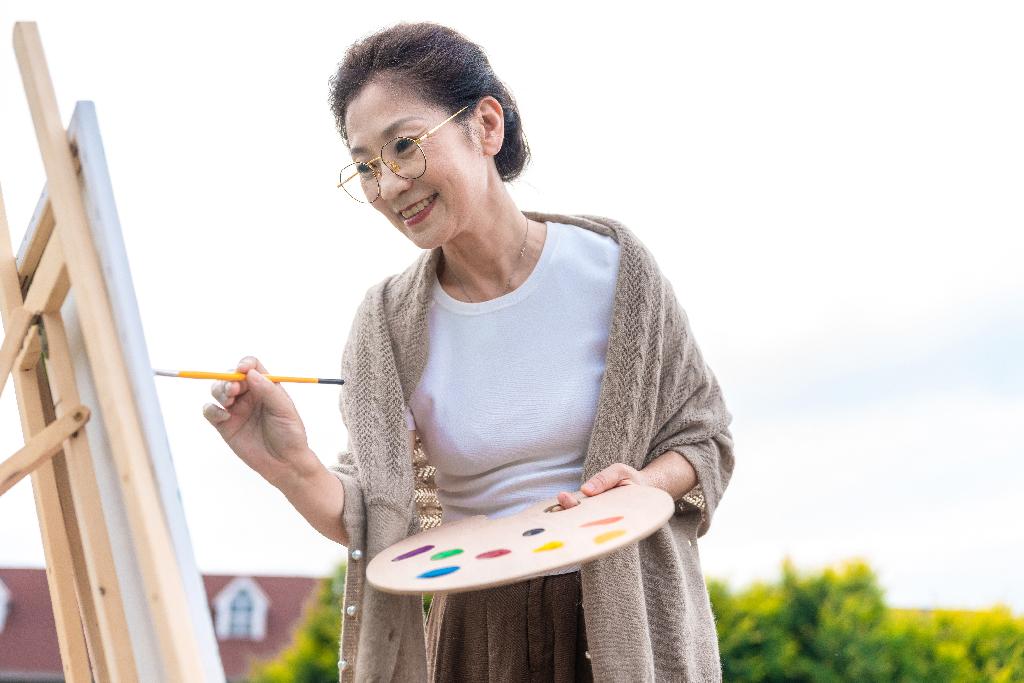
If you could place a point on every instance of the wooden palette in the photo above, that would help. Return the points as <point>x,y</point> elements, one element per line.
<point>478,552</point>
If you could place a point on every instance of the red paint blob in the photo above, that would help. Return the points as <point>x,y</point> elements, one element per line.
<point>493,553</point>
<point>606,520</point>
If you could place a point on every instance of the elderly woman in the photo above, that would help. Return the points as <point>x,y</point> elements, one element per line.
<point>523,355</point>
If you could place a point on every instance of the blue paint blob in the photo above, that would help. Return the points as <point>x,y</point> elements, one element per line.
<point>441,571</point>
<point>532,532</point>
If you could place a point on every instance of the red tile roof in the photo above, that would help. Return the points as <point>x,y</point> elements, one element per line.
<point>28,642</point>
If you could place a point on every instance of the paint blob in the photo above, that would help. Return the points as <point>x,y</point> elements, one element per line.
<point>440,571</point>
<point>608,535</point>
<point>413,553</point>
<point>532,532</point>
<point>493,553</point>
<point>550,545</point>
<point>606,520</point>
<point>446,553</point>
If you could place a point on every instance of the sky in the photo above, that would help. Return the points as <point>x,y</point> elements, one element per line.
<point>833,189</point>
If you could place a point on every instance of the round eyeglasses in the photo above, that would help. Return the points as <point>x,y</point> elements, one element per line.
<point>403,156</point>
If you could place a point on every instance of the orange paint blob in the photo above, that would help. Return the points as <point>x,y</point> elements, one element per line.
<point>606,520</point>
<point>608,535</point>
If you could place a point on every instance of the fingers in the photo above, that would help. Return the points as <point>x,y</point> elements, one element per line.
<point>215,414</point>
<point>227,391</point>
<point>567,500</point>
<point>248,362</point>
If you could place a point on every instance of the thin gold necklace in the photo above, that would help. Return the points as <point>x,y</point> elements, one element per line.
<point>508,285</point>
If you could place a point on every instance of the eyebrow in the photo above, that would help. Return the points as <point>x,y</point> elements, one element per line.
<point>388,132</point>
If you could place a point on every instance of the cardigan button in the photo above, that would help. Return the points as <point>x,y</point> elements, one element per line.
<point>350,610</point>
<point>357,554</point>
<point>587,654</point>
<point>342,665</point>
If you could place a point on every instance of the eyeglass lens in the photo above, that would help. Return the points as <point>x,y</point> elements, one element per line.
<point>403,156</point>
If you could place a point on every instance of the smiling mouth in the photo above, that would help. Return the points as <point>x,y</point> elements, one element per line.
<point>418,206</point>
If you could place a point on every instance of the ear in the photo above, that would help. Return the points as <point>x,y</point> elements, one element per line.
<point>489,126</point>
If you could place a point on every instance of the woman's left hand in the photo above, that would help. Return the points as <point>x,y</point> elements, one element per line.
<point>618,474</point>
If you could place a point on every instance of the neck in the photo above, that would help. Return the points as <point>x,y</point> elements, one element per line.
<point>483,259</point>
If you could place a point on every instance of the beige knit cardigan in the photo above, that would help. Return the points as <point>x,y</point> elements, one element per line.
<point>646,606</point>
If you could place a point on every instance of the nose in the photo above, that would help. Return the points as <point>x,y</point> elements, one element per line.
<point>392,185</point>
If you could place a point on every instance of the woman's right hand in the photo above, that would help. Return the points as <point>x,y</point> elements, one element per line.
<point>258,420</point>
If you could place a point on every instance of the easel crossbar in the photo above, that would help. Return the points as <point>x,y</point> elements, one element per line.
<point>42,447</point>
<point>46,293</point>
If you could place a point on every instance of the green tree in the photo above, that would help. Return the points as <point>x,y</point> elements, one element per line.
<point>821,626</point>
<point>833,625</point>
<point>312,656</point>
<point>959,645</point>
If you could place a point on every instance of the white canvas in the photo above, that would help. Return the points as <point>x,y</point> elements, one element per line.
<point>97,193</point>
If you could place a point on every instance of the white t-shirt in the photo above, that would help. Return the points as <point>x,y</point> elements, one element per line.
<point>508,396</point>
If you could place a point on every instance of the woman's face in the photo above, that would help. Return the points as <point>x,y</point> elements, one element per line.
<point>457,168</point>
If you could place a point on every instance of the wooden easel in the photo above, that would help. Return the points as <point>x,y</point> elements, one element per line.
<point>88,605</point>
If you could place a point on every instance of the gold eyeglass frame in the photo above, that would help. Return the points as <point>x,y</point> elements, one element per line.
<point>376,173</point>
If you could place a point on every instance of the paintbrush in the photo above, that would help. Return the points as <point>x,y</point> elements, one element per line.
<point>238,376</point>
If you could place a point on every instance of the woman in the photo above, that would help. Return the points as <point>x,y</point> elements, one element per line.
<point>521,355</point>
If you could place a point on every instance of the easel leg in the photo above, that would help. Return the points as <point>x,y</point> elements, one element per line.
<point>56,546</point>
<point>91,554</point>
<point>69,584</point>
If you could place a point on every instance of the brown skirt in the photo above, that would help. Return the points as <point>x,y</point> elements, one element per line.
<point>527,631</point>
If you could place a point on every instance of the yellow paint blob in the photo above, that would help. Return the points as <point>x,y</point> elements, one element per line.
<point>608,535</point>
<point>552,545</point>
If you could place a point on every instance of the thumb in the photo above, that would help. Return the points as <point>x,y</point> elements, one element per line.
<point>600,482</point>
<point>272,396</point>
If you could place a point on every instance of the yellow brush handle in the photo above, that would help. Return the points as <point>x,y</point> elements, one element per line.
<point>238,377</point>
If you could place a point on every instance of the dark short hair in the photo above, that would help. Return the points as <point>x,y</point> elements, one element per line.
<point>443,68</point>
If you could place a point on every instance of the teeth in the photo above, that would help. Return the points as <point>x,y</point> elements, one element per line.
<point>416,208</point>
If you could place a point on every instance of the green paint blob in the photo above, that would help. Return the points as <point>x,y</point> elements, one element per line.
<point>446,553</point>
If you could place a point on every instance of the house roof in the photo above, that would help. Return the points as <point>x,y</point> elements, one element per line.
<point>288,596</point>
<point>28,642</point>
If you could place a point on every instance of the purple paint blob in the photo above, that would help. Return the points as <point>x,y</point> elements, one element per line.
<point>412,553</point>
<point>441,571</point>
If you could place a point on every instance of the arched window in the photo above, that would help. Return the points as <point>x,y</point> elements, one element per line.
<point>5,604</point>
<point>240,610</point>
<point>240,622</point>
